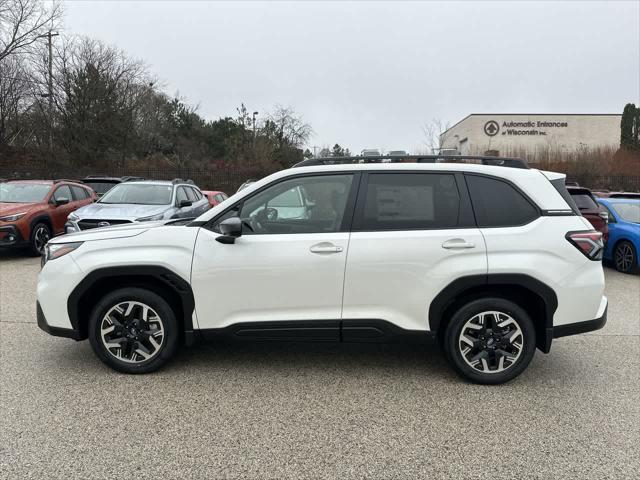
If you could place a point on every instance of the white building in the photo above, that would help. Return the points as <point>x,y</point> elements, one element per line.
<point>530,133</point>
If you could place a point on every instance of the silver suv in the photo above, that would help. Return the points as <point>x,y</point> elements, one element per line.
<point>140,201</point>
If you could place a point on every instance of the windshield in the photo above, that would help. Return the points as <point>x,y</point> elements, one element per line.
<point>100,187</point>
<point>23,192</point>
<point>139,194</point>
<point>629,212</point>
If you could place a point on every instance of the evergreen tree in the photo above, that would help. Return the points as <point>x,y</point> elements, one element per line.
<point>629,127</point>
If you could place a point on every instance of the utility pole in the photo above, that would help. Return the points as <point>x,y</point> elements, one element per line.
<point>254,129</point>
<point>49,94</point>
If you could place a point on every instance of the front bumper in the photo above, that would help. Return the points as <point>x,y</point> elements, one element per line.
<point>55,331</point>
<point>10,236</point>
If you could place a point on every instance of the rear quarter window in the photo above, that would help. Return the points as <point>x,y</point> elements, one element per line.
<point>496,203</point>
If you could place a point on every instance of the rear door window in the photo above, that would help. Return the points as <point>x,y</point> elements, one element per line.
<point>409,201</point>
<point>496,203</point>
<point>196,193</point>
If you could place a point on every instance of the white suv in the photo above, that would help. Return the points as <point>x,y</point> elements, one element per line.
<point>490,260</point>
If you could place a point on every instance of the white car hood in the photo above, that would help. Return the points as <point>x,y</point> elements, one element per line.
<point>106,233</point>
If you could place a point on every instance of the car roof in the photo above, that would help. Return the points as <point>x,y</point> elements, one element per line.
<point>619,200</point>
<point>41,182</point>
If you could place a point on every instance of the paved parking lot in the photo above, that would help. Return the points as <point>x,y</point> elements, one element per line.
<point>299,410</point>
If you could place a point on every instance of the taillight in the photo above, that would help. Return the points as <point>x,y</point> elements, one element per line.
<point>588,242</point>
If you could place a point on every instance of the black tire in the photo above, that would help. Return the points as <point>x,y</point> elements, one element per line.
<point>40,235</point>
<point>497,344</point>
<point>162,311</point>
<point>625,257</point>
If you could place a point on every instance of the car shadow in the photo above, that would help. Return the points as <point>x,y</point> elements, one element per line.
<point>383,358</point>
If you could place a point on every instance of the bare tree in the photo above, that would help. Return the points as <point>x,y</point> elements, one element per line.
<point>435,134</point>
<point>22,22</point>
<point>290,129</point>
<point>14,95</point>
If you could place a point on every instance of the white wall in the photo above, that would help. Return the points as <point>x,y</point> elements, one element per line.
<point>533,133</point>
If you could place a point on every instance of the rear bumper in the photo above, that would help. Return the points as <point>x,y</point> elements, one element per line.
<point>568,329</point>
<point>581,327</point>
<point>55,331</point>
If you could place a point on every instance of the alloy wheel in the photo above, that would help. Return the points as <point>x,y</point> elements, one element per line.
<point>624,257</point>
<point>132,332</point>
<point>491,342</point>
<point>40,238</point>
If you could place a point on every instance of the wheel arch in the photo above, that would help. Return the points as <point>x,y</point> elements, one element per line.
<point>169,285</point>
<point>537,298</point>
<point>41,218</point>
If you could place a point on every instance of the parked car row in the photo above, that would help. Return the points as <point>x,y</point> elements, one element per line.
<point>617,216</point>
<point>34,211</point>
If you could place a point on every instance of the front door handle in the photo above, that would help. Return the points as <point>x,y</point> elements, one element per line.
<point>457,243</point>
<point>325,247</point>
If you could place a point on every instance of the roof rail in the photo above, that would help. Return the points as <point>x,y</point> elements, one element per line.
<point>131,178</point>
<point>177,180</point>
<point>483,160</point>
<point>59,180</point>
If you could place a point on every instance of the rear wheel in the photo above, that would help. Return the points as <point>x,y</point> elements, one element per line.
<point>625,257</point>
<point>40,235</point>
<point>133,330</point>
<point>490,341</point>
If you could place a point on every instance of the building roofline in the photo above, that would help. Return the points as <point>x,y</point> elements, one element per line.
<point>533,114</point>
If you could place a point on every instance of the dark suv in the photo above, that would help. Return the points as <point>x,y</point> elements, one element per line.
<point>590,209</point>
<point>101,184</point>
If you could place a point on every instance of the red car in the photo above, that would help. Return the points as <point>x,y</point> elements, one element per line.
<point>214,197</point>
<point>590,209</point>
<point>33,211</point>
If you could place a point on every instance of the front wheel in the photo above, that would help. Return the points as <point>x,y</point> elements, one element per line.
<point>625,258</point>
<point>133,330</point>
<point>40,235</point>
<point>490,341</point>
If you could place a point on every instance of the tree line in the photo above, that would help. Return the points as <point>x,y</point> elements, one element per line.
<point>100,107</point>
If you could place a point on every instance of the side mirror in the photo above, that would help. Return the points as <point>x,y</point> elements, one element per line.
<point>231,229</point>
<point>185,203</point>
<point>60,201</point>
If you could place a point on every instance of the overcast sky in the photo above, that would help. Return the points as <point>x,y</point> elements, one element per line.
<point>370,74</point>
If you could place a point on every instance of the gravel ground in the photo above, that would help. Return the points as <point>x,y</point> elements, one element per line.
<point>310,411</point>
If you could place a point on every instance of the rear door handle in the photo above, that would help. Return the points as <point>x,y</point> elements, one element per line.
<point>457,243</point>
<point>325,247</point>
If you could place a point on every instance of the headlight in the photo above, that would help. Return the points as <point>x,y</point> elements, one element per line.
<point>57,250</point>
<point>13,218</point>
<point>73,217</point>
<point>160,216</point>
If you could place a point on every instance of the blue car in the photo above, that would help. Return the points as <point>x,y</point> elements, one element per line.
<point>624,233</point>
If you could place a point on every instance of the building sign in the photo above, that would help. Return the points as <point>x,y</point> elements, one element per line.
<point>517,128</point>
